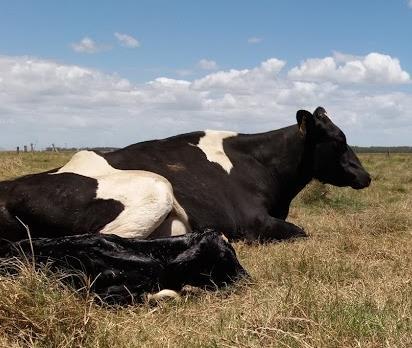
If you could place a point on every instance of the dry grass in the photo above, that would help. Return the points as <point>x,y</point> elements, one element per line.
<point>12,164</point>
<point>348,285</point>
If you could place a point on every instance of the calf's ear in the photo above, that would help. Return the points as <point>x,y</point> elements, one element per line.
<point>303,117</point>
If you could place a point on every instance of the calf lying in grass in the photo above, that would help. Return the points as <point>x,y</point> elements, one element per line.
<point>123,270</point>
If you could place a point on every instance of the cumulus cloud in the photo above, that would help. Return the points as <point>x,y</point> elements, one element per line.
<point>254,40</point>
<point>127,40</point>
<point>374,68</point>
<point>87,45</point>
<point>207,64</point>
<point>245,79</point>
<point>47,102</point>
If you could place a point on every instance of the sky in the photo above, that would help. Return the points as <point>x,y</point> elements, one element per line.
<point>112,73</point>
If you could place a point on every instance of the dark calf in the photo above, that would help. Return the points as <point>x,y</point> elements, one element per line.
<point>124,269</point>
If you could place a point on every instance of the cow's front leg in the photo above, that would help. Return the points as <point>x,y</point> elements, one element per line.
<point>273,229</point>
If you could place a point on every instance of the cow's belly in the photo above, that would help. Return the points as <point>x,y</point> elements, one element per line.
<point>229,212</point>
<point>210,213</point>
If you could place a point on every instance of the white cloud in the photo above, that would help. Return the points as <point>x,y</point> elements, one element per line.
<point>410,3</point>
<point>254,40</point>
<point>46,102</point>
<point>273,65</point>
<point>207,64</point>
<point>127,40</point>
<point>87,45</point>
<point>245,79</point>
<point>374,68</point>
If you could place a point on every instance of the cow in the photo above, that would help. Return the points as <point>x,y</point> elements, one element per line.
<point>124,270</point>
<point>243,184</point>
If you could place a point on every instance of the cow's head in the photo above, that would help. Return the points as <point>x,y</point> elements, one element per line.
<point>334,162</point>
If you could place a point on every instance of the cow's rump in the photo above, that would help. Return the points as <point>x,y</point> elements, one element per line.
<point>123,270</point>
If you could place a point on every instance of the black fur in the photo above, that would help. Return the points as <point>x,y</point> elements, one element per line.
<point>53,206</point>
<point>125,269</point>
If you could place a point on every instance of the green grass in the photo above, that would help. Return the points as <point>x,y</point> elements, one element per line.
<point>348,285</point>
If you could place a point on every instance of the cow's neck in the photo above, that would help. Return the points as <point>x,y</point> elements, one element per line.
<point>286,155</point>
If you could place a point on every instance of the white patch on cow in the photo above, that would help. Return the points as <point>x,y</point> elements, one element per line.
<point>87,163</point>
<point>147,197</point>
<point>212,145</point>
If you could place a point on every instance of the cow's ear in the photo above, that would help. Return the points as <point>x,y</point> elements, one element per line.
<point>320,112</point>
<point>303,117</point>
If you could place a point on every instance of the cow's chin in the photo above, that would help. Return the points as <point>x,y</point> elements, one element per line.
<point>333,182</point>
<point>357,185</point>
<point>356,182</point>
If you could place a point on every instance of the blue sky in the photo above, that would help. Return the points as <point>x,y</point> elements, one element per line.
<point>112,73</point>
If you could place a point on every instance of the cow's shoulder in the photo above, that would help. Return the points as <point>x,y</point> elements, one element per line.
<point>211,144</point>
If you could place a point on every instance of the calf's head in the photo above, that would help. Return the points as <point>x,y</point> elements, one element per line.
<point>210,261</point>
<point>333,161</point>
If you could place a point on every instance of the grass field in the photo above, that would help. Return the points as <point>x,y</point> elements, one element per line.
<point>348,285</point>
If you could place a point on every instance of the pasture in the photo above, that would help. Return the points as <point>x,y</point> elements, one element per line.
<point>348,285</point>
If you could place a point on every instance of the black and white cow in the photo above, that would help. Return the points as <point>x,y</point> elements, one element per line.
<point>238,184</point>
<point>243,184</point>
